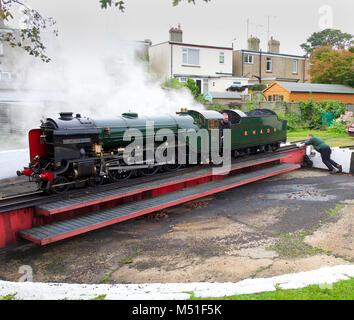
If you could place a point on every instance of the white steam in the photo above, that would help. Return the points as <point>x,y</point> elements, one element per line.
<point>96,76</point>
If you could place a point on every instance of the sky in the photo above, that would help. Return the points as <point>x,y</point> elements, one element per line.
<point>82,24</point>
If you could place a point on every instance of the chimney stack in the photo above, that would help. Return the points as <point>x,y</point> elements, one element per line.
<point>273,46</point>
<point>253,43</point>
<point>176,34</point>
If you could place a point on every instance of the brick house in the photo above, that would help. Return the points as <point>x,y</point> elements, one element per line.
<point>267,67</point>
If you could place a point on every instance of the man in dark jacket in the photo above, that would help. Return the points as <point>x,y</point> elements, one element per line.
<point>224,124</point>
<point>325,152</point>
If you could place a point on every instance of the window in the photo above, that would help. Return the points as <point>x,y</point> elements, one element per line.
<point>190,57</point>
<point>222,57</point>
<point>183,80</point>
<point>269,98</point>
<point>5,76</point>
<point>269,64</point>
<point>248,59</point>
<point>294,66</point>
<point>205,85</point>
<point>1,48</point>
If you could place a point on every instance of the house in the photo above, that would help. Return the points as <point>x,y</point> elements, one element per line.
<point>209,66</point>
<point>294,92</point>
<point>267,67</point>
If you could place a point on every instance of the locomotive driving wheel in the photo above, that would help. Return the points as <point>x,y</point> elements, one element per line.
<point>96,181</point>
<point>119,175</point>
<point>173,167</point>
<point>149,171</point>
<point>60,185</point>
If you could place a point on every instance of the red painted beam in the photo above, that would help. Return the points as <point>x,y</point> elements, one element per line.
<point>155,208</point>
<point>161,189</point>
<point>13,221</point>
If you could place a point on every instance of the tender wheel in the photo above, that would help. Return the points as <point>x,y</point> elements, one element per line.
<point>119,175</point>
<point>149,171</point>
<point>60,185</point>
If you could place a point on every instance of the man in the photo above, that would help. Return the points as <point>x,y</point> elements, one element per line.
<point>325,152</point>
<point>225,124</point>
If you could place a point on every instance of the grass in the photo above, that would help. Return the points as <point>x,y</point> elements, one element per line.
<point>333,139</point>
<point>342,290</point>
<point>9,297</point>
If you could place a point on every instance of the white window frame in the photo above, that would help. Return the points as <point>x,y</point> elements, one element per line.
<point>295,63</point>
<point>6,75</point>
<point>247,57</point>
<point>269,60</point>
<point>222,57</point>
<point>183,80</point>
<point>1,48</point>
<point>185,57</point>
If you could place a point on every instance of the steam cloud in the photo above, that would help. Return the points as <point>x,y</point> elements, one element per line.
<point>98,78</point>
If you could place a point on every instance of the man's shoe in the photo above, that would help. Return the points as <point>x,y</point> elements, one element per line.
<point>332,171</point>
<point>340,169</point>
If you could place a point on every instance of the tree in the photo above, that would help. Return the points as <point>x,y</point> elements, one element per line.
<point>332,66</point>
<point>29,38</point>
<point>121,4</point>
<point>328,37</point>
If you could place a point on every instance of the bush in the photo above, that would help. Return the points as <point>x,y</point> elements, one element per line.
<point>295,123</point>
<point>339,127</point>
<point>311,111</point>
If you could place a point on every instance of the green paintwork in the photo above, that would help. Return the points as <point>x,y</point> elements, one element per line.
<point>112,130</point>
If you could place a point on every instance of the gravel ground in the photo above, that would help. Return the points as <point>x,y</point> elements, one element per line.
<point>299,221</point>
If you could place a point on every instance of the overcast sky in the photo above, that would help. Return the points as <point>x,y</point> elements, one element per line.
<point>81,23</point>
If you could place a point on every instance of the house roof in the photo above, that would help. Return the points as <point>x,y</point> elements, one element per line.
<point>225,95</point>
<point>264,53</point>
<point>314,87</point>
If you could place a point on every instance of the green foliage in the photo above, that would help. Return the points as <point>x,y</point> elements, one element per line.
<point>328,37</point>
<point>258,87</point>
<point>121,4</point>
<point>294,122</point>
<point>338,127</point>
<point>172,83</point>
<point>342,290</point>
<point>332,66</point>
<point>29,38</point>
<point>311,111</point>
<point>191,85</point>
<point>249,105</point>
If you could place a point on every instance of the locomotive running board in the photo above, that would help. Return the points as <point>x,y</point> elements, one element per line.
<point>97,201</point>
<point>85,223</point>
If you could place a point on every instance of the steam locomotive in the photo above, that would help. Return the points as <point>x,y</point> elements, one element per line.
<point>71,150</point>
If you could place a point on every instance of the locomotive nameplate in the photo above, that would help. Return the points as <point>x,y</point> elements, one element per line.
<point>76,141</point>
